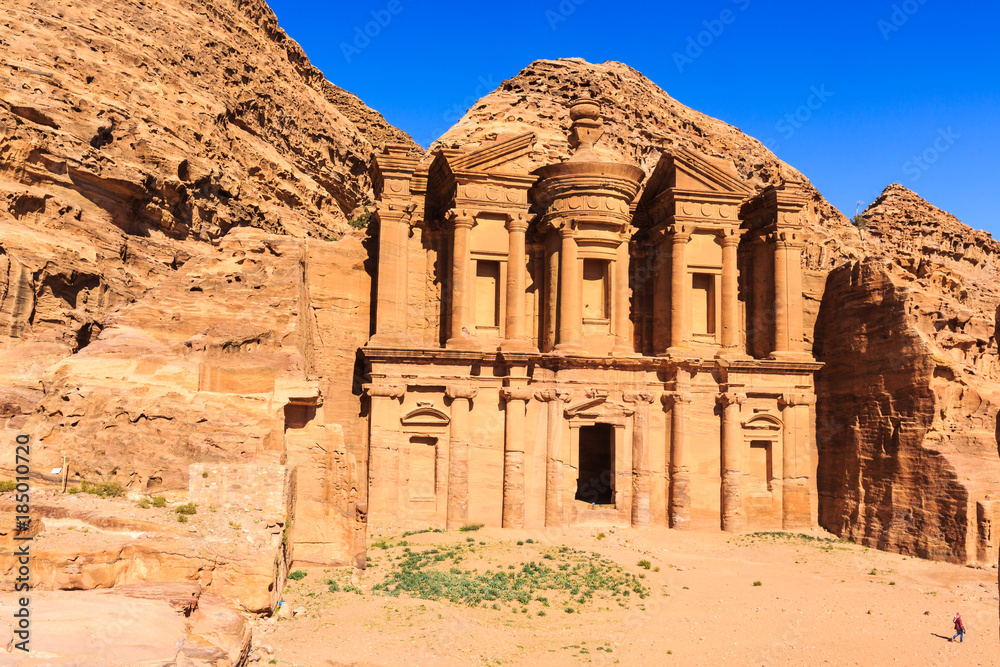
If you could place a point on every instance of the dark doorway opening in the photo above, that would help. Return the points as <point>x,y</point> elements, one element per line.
<point>596,481</point>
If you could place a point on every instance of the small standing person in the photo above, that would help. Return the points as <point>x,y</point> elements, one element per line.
<point>959,628</point>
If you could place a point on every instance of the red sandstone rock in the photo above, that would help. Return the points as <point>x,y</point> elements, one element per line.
<point>911,390</point>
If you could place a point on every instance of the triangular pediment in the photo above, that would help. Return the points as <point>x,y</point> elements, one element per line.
<point>494,154</point>
<point>687,171</point>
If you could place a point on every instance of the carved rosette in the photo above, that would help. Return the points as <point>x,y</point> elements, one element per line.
<point>547,395</point>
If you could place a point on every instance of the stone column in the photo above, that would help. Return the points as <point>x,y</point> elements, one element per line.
<point>515,330</point>
<point>383,453</point>
<point>796,461</point>
<point>680,472</point>
<point>730,241</point>
<point>621,307</point>
<point>461,329</point>
<point>550,330</point>
<point>733,513</point>
<point>393,275</point>
<point>554,400</point>
<point>796,339</point>
<point>662,282</point>
<point>570,298</point>
<point>458,455</point>
<point>515,401</point>
<point>781,340</point>
<point>641,510</point>
<point>680,290</point>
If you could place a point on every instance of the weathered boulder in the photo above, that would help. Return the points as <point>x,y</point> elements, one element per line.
<point>131,625</point>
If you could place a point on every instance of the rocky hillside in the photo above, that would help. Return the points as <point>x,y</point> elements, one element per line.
<point>911,390</point>
<point>134,134</point>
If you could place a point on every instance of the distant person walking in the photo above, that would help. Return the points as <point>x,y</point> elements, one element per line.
<point>959,628</point>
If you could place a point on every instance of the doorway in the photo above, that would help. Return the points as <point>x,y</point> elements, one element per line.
<point>595,483</point>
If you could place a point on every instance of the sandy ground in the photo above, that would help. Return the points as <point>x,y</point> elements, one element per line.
<point>818,602</point>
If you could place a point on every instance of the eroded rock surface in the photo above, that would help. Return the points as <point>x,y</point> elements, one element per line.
<point>162,624</point>
<point>911,389</point>
<point>131,136</point>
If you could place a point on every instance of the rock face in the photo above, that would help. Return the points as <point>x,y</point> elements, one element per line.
<point>911,390</point>
<point>131,136</point>
<point>161,624</point>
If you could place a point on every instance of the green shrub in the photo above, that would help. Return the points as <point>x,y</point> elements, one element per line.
<point>470,527</point>
<point>189,509</point>
<point>73,490</point>
<point>361,222</point>
<point>757,583</point>
<point>298,574</point>
<point>7,485</point>
<point>645,564</point>
<point>144,504</point>
<point>159,501</point>
<point>181,518</point>
<point>860,221</point>
<point>204,474</point>
<point>102,489</point>
<point>332,585</point>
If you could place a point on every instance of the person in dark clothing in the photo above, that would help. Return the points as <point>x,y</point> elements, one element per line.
<point>959,628</point>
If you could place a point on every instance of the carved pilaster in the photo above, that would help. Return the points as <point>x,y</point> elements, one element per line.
<point>458,455</point>
<point>733,513</point>
<point>679,509</point>
<point>515,400</point>
<point>553,397</point>
<point>641,509</point>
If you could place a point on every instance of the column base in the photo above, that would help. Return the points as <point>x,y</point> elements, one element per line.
<point>784,355</point>
<point>731,353</point>
<point>624,351</point>
<point>463,343</point>
<point>512,345</point>
<point>568,348</point>
<point>389,340</point>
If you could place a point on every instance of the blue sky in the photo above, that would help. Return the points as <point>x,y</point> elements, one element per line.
<point>856,95</point>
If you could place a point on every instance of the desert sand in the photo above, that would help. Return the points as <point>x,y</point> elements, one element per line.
<point>820,601</point>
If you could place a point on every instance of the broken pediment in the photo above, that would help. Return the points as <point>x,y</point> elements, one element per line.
<point>599,408</point>
<point>425,417</point>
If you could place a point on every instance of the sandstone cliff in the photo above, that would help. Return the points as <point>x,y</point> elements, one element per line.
<point>132,135</point>
<point>911,390</point>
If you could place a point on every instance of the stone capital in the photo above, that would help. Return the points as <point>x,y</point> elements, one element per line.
<point>793,400</point>
<point>729,237</point>
<point>517,222</point>
<point>517,393</point>
<point>462,218</point>
<point>671,398</point>
<point>546,395</point>
<point>638,397</point>
<point>385,390</point>
<point>679,233</point>
<point>731,398</point>
<point>465,391</point>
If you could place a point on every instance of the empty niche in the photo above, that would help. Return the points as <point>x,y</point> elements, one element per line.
<point>422,484</point>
